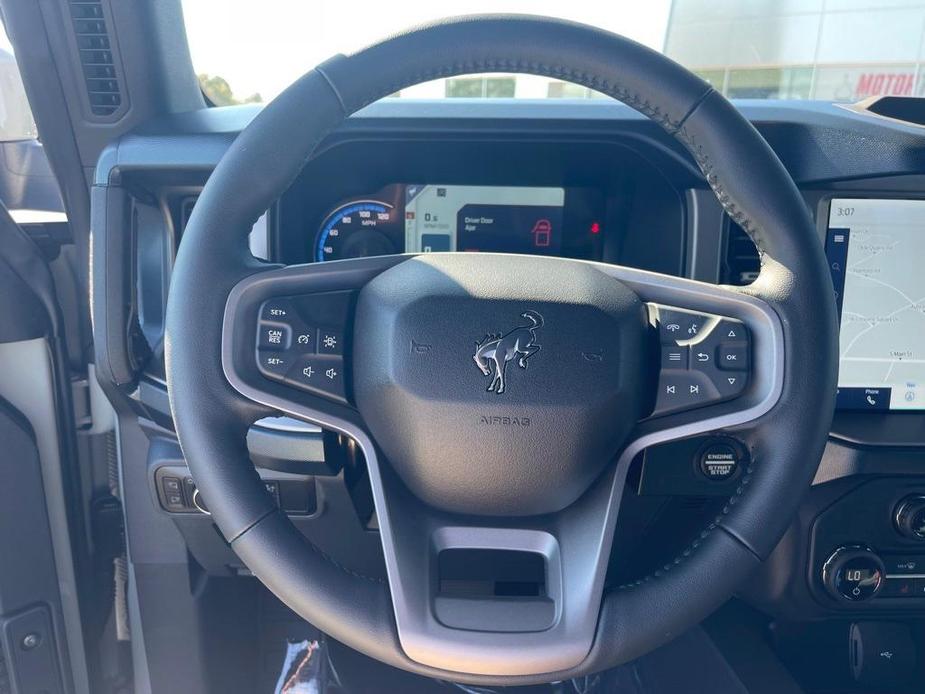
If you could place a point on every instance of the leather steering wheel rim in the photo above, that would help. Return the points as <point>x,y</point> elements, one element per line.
<point>211,417</point>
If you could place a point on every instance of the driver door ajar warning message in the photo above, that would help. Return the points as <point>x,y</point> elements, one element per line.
<point>533,229</point>
<point>500,219</point>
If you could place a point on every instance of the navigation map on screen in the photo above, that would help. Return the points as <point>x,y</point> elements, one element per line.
<point>876,253</point>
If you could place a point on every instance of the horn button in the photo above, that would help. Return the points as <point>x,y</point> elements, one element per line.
<point>499,385</point>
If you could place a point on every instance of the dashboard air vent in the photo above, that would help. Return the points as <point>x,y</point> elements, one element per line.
<point>740,260</point>
<point>96,57</point>
<point>906,109</point>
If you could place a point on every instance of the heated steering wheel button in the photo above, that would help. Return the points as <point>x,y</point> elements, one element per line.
<point>330,341</point>
<point>319,374</point>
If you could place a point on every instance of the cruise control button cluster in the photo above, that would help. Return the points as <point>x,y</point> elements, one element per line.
<point>301,341</point>
<point>704,359</point>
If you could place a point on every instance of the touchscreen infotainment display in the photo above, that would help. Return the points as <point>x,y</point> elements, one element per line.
<point>503,219</point>
<point>876,254</point>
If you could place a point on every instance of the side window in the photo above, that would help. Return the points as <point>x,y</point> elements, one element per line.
<point>16,122</point>
<point>27,185</point>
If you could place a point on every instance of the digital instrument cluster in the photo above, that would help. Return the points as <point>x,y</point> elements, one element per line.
<point>431,218</point>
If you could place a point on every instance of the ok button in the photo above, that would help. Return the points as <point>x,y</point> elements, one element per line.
<point>733,357</point>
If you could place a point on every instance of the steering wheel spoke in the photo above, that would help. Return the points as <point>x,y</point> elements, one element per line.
<point>448,575</point>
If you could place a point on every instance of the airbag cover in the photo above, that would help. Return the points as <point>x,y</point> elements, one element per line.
<point>522,439</point>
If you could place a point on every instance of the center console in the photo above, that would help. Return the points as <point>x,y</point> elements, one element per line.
<point>878,560</point>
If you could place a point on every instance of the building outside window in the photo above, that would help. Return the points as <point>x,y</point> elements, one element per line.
<point>481,87</point>
<point>831,50</point>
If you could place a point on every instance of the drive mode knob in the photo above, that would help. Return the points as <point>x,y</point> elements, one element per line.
<point>853,573</point>
<point>909,517</point>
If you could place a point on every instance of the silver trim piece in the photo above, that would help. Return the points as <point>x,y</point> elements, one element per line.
<point>197,502</point>
<point>289,424</point>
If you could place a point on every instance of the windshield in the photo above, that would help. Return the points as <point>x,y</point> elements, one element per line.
<point>832,50</point>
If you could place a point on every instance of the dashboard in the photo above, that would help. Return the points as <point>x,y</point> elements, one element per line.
<point>591,181</point>
<point>570,196</point>
<point>874,247</point>
<point>600,185</point>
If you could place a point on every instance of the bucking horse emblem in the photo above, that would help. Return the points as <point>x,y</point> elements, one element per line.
<point>496,350</point>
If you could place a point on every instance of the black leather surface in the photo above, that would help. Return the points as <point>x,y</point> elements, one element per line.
<point>758,194</point>
<point>212,418</point>
<point>749,181</point>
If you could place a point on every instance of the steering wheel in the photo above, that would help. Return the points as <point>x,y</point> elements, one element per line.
<point>393,352</point>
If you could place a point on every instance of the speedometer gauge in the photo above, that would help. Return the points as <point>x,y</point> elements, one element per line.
<point>358,229</point>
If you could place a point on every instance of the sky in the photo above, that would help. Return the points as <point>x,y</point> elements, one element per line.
<point>263,46</point>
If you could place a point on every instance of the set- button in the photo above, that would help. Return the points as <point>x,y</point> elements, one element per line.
<point>704,359</point>
<point>301,341</point>
<point>274,364</point>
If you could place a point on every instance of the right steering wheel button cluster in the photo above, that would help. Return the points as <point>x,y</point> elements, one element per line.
<point>704,359</point>
<point>300,342</point>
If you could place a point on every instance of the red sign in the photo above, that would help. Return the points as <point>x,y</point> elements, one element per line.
<point>884,84</point>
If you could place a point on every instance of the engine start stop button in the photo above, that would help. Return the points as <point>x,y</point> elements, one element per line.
<point>719,461</point>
